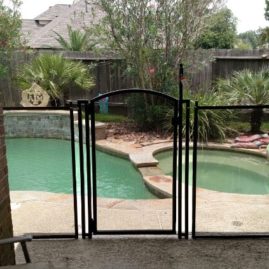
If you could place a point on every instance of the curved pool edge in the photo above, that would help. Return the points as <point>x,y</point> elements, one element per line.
<point>227,147</point>
<point>144,161</point>
<point>161,184</point>
<point>209,146</point>
<point>154,178</point>
<point>52,124</point>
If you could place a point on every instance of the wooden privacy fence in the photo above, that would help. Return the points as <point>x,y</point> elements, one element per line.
<point>109,71</point>
<point>223,63</point>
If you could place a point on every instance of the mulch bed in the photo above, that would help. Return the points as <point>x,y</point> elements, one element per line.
<point>129,132</point>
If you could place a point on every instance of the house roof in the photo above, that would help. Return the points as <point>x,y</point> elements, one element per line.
<point>56,19</point>
<point>53,12</point>
<point>29,28</point>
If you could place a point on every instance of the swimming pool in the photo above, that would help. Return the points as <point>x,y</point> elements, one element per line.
<point>226,171</point>
<point>45,165</point>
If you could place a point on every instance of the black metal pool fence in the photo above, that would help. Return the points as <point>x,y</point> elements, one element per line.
<point>184,197</point>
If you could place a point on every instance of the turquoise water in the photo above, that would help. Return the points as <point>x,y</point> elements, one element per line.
<point>226,171</point>
<point>45,165</point>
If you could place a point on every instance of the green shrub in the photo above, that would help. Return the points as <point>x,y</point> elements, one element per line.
<point>56,75</point>
<point>148,112</point>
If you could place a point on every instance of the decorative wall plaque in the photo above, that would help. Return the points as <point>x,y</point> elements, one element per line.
<point>35,97</point>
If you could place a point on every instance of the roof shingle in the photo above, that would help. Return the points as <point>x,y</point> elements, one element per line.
<point>79,16</point>
<point>29,28</point>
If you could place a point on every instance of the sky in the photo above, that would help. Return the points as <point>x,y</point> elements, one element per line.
<point>250,13</point>
<point>32,8</point>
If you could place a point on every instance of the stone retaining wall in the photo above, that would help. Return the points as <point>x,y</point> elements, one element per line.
<point>7,256</point>
<point>43,124</point>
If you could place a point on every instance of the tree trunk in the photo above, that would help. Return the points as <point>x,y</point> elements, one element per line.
<point>256,120</point>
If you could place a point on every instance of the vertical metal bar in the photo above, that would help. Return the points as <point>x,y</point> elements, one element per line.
<point>181,74</point>
<point>194,169</point>
<point>88,167</point>
<point>187,149</point>
<point>108,75</point>
<point>180,152</point>
<point>94,185</point>
<point>174,166</point>
<point>82,178</point>
<point>180,171</point>
<point>25,252</point>
<point>98,81</point>
<point>118,71</point>
<point>73,154</point>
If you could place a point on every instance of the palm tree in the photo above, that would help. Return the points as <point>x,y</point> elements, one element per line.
<point>212,124</point>
<point>248,88</point>
<point>77,40</point>
<point>55,75</point>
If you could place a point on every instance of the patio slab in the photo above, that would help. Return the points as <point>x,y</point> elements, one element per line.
<point>150,253</point>
<point>38,265</point>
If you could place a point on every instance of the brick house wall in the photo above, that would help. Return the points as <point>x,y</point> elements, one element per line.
<point>7,256</point>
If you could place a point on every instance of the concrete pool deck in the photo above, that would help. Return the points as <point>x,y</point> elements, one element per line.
<point>40,212</point>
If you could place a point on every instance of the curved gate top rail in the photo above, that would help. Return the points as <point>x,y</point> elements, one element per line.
<point>133,90</point>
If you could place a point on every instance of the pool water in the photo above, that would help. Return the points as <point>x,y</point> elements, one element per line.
<point>45,165</point>
<point>226,171</point>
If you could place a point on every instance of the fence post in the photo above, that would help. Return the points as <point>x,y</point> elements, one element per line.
<point>81,104</point>
<point>73,153</point>
<point>187,133</point>
<point>194,169</point>
<point>180,110</point>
